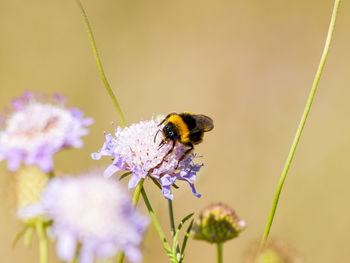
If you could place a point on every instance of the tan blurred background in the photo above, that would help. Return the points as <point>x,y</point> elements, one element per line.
<point>247,64</point>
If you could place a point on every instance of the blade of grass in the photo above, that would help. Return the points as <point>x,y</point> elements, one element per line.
<point>301,124</point>
<point>99,64</point>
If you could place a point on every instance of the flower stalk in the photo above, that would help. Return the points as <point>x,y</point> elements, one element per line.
<point>99,64</point>
<point>40,229</point>
<point>302,123</point>
<point>172,223</point>
<point>219,252</point>
<point>155,221</point>
<point>137,192</point>
<point>171,216</point>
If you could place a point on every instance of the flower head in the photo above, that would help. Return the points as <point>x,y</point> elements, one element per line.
<point>136,149</point>
<point>217,224</point>
<point>37,127</point>
<point>96,214</point>
<point>275,251</point>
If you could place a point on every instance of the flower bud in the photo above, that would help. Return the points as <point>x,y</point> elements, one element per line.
<point>275,251</point>
<point>30,183</point>
<point>217,224</point>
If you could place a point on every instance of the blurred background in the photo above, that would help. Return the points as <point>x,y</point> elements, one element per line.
<point>247,64</point>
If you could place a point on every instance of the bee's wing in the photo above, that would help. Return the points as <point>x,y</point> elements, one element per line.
<point>205,122</point>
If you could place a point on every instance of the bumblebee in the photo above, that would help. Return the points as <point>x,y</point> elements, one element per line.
<point>186,128</point>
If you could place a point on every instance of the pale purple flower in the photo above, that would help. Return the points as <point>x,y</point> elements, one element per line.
<point>134,149</point>
<point>94,213</point>
<point>37,127</point>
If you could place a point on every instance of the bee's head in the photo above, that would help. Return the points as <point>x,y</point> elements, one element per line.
<point>170,131</point>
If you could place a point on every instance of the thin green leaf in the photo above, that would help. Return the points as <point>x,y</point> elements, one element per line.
<point>156,183</point>
<point>28,235</point>
<point>172,258</point>
<point>176,236</point>
<point>184,243</point>
<point>184,220</point>
<point>124,175</point>
<point>18,236</point>
<point>168,250</point>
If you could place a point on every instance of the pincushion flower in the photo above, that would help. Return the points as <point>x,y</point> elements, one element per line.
<point>94,214</point>
<point>37,127</point>
<point>136,149</point>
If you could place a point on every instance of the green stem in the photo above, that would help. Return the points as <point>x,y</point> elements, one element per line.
<point>121,257</point>
<point>137,192</point>
<point>28,235</point>
<point>135,200</point>
<point>171,216</point>
<point>155,221</point>
<point>219,249</point>
<point>40,229</point>
<point>302,123</point>
<point>172,223</point>
<point>99,64</point>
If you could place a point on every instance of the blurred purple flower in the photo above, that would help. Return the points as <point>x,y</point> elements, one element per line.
<point>134,149</point>
<point>94,213</point>
<point>37,127</point>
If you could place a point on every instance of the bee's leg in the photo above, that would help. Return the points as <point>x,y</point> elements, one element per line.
<point>161,144</point>
<point>166,155</point>
<point>185,153</point>
<point>170,151</point>
<point>167,117</point>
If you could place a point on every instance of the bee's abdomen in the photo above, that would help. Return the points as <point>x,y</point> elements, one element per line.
<point>196,137</point>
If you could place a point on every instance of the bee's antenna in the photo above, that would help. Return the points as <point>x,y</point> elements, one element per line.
<point>155,136</point>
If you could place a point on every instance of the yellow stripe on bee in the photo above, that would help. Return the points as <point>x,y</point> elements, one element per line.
<point>181,127</point>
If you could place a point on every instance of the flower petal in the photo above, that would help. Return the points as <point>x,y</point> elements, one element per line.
<point>66,246</point>
<point>133,254</point>
<point>134,180</point>
<point>111,169</point>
